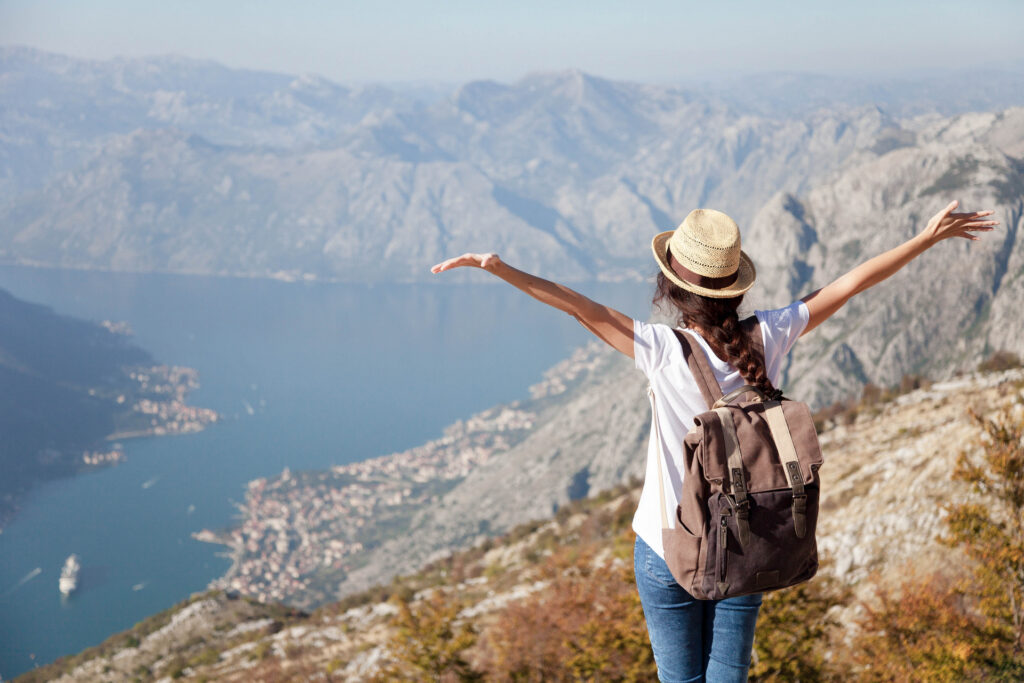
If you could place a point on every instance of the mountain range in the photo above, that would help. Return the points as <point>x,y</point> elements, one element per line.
<point>168,164</point>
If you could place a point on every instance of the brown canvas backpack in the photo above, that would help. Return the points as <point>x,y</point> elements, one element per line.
<point>749,501</point>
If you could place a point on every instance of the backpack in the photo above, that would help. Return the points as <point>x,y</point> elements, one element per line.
<point>749,501</point>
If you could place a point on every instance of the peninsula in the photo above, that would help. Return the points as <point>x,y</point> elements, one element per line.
<point>71,390</point>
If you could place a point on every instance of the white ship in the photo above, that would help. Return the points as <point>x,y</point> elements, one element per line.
<point>69,575</point>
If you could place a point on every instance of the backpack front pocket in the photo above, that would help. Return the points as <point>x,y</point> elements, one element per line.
<point>773,556</point>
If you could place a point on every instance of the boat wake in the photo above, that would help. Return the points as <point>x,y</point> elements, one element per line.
<point>25,579</point>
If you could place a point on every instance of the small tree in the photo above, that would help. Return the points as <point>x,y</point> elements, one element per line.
<point>794,632</point>
<point>1000,361</point>
<point>922,632</point>
<point>429,642</point>
<point>992,533</point>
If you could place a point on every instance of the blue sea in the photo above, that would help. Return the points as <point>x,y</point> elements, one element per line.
<point>307,375</point>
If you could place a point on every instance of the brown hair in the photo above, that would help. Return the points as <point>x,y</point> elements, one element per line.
<point>717,318</point>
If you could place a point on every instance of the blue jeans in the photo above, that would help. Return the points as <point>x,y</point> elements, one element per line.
<point>693,640</point>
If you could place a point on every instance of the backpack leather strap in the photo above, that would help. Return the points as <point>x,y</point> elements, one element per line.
<point>737,482</point>
<point>701,370</point>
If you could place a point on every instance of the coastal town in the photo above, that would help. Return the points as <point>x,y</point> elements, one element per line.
<point>299,533</point>
<point>296,529</point>
<point>157,408</point>
<point>157,405</point>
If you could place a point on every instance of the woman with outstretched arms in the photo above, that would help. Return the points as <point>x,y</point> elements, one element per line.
<point>703,277</point>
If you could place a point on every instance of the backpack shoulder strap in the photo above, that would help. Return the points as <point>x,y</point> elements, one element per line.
<point>699,368</point>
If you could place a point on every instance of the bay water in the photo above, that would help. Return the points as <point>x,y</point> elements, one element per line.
<point>306,375</point>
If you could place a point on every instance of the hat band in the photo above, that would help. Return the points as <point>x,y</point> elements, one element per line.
<point>698,279</point>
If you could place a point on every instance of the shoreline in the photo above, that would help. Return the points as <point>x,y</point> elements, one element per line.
<point>298,533</point>
<point>168,415</point>
<point>288,535</point>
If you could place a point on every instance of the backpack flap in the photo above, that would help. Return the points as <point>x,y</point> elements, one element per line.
<point>763,468</point>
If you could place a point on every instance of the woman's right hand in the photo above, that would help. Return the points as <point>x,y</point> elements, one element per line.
<point>485,261</point>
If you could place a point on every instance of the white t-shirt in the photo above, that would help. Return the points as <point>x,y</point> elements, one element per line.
<point>659,354</point>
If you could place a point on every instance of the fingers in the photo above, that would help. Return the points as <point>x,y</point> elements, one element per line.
<point>475,260</point>
<point>445,265</point>
<point>949,209</point>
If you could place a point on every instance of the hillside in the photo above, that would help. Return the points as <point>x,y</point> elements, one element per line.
<point>870,528</point>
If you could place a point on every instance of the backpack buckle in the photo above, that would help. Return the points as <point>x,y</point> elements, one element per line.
<point>742,509</point>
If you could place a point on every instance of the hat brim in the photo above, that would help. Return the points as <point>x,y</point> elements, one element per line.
<point>744,278</point>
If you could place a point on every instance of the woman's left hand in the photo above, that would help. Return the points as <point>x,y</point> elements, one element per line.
<point>485,261</point>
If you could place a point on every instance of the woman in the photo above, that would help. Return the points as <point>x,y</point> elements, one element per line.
<point>704,276</point>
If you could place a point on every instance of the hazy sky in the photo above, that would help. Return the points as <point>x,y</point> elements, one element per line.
<point>456,41</point>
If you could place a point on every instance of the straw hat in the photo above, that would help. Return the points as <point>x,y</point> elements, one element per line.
<point>703,255</point>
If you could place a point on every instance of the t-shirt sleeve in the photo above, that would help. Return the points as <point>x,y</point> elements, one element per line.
<point>649,349</point>
<point>783,326</point>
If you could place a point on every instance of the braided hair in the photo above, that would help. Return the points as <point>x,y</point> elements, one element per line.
<point>717,318</point>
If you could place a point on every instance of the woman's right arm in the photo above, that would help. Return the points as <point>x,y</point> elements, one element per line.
<point>823,303</point>
<point>609,325</point>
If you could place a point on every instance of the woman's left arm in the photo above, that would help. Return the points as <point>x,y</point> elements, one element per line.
<point>609,325</point>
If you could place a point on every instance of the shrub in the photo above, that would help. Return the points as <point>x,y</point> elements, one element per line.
<point>1000,361</point>
<point>429,642</point>
<point>794,632</point>
<point>582,626</point>
<point>971,629</point>
<point>992,533</point>
<point>923,632</point>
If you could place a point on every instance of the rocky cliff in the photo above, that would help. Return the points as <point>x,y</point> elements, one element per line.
<point>945,311</point>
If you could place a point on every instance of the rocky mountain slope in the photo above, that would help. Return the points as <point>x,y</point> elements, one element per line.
<point>885,481</point>
<point>945,311</point>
